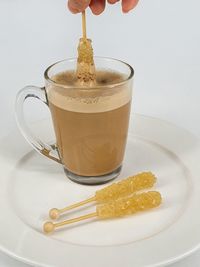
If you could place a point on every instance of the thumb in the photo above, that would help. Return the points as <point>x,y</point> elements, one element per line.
<point>76,6</point>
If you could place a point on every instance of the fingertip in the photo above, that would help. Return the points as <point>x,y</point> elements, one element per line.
<point>112,1</point>
<point>128,5</point>
<point>97,6</point>
<point>77,6</point>
<point>96,11</point>
<point>72,9</point>
<point>125,10</point>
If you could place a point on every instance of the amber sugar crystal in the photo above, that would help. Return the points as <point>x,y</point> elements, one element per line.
<point>126,187</point>
<point>129,205</point>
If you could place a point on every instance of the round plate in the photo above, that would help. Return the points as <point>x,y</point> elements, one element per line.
<point>32,184</point>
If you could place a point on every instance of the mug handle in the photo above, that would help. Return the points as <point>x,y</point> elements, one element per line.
<point>38,145</point>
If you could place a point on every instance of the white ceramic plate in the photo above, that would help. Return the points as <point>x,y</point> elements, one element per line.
<point>30,185</point>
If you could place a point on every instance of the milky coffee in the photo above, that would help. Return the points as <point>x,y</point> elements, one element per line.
<point>91,124</point>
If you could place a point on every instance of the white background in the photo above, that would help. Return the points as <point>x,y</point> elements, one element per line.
<point>160,39</point>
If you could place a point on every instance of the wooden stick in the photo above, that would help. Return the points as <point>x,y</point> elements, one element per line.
<point>84,25</point>
<point>49,227</point>
<point>55,213</point>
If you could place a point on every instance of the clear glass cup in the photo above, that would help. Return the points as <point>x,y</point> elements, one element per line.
<point>90,123</point>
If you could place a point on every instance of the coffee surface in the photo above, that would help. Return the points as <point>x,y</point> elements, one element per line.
<point>105,96</point>
<point>102,78</point>
<point>91,127</point>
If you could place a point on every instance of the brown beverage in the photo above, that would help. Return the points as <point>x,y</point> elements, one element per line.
<point>91,126</point>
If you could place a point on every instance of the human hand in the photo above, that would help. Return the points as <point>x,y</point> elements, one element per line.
<point>98,6</point>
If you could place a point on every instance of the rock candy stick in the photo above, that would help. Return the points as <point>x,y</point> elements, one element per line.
<point>114,191</point>
<point>85,72</point>
<point>113,209</point>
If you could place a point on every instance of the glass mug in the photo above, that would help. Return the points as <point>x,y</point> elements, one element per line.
<point>90,123</point>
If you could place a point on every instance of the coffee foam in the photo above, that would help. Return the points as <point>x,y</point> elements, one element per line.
<point>92,100</point>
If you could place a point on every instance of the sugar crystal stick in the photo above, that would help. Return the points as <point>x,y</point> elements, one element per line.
<point>117,208</point>
<point>114,191</point>
<point>85,72</point>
